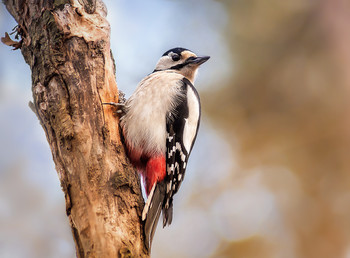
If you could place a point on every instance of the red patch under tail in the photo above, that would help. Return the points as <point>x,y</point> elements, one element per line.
<point>155,172</point>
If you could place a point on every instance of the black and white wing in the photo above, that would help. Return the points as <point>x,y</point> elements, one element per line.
<point>182,126</point>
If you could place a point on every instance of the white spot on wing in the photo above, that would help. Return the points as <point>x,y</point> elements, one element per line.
<point>176,165</point>
<point>167,204</point>
<point>170,153</point>
<point>168,187</point>
<point>191,122</point>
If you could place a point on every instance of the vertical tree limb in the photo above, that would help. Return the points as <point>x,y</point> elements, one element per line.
<point>67,46</point>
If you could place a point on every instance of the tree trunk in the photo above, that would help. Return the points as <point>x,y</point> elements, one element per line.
<point>66,43</point>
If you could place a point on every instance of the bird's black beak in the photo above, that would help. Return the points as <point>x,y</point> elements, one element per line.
<point>198,60</point>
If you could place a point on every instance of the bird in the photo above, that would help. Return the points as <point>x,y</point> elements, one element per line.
<point>160,124</point>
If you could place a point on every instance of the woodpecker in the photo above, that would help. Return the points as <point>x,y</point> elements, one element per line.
<point>160,126</point>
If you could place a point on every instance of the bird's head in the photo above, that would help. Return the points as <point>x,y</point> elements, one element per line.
<point>182,61</point>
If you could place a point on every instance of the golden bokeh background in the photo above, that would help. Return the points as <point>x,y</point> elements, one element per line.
<point>270,173</point>
<point>285,109</point>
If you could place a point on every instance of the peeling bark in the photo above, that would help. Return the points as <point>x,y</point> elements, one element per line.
<point>67,46</point>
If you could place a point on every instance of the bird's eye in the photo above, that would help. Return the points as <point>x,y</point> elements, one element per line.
<point>175,57</point>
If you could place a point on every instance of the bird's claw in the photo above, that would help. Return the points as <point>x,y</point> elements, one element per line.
<point>119,106</point>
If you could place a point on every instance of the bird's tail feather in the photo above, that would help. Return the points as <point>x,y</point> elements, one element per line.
<point>168,215</point>
<point>152,210</point>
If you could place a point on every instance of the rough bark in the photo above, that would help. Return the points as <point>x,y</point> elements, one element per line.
<point>66,43</point>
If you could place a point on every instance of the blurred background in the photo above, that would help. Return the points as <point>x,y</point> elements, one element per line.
<point>269,174</point>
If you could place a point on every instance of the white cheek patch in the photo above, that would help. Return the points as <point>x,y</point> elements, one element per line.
<point>166,62</point>
<point>163,63</point>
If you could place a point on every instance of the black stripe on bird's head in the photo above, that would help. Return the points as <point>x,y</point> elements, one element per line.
<point>176,50</point>
<point>178,58</point>
<point>181,60</point>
